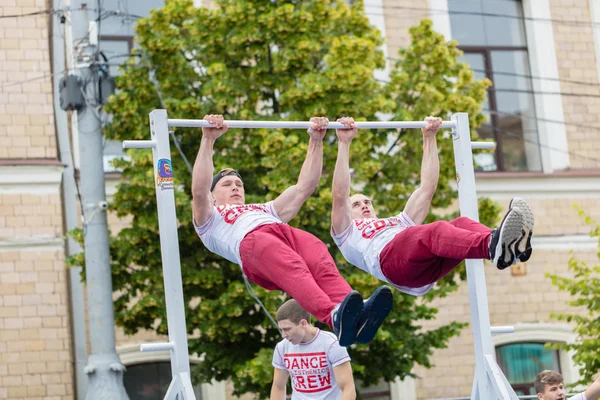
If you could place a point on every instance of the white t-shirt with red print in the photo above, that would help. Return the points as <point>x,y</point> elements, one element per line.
<point>364,239</point>
<point>310,366</point>
<point>229,224</point>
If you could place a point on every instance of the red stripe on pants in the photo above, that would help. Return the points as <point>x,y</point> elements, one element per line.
<point>279,257</point>
<point>424,254</point>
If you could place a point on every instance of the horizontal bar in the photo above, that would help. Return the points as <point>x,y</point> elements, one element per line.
<point>200,123</point>
<point>138,144</point>
<point>157,346</point>
<point>502,329</point>
<point>483,145</point>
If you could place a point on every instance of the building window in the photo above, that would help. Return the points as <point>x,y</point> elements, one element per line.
<point>115,41</point>
<point>495,47</point>
<point>150,381</point>
<point>116,49</point>
<point>521,362</point>
<point>380,391</point>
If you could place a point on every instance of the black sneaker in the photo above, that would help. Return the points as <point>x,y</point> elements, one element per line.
<point>345,316</point>
<point>505,238</point>
<point>524,245</point>
<point>376,309</point>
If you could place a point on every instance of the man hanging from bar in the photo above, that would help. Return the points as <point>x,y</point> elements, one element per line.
<point>399,250</point>
<point>273,254</point>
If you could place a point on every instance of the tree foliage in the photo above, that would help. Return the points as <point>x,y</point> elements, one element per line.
<point>258,59</point>
<point>584,288</point>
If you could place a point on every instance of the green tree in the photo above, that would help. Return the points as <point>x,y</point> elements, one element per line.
<point>584,288</point>
<point>258,59</point>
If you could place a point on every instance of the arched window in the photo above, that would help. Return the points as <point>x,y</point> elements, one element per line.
<point>521,362</point>
<point>522,355</point>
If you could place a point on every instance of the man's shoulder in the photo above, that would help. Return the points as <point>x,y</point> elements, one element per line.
<point>580,396</point>
<point>328,337</point>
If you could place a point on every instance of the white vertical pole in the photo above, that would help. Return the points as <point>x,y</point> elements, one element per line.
<point>169,243</point>
<point>467,198</point>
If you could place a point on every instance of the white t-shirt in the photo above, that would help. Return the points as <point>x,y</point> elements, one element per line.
<point>362,242</point>
<point>310,366</point>
<point>580,396</point>
<point>230,223</point>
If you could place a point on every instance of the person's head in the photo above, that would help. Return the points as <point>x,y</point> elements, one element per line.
<point>294,322</point>
<point>549,386</point>
<point>362,207</point>
<point>228,188</point>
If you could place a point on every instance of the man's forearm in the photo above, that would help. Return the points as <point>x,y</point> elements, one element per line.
<point>203,168</point>
<point>430,166</point>
<point>309,176</point>
<point>341,173</point>
<point>348,393</point>
<point>277,393</point>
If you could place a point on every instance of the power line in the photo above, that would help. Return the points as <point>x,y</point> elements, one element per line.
<point>30,79</point>
<point>494,15</point>
<point>506,73</point>
<point>106,14</point>
<point>541,78</point>
<point>48,11</point>
<point>492,89</point>
<point>553,121</point>
<point>569,94</point>
<point>518,136</point>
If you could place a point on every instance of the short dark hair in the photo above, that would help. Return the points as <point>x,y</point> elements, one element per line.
<point>546,377</point>
<point>223,173</point>
<point>293,311</point>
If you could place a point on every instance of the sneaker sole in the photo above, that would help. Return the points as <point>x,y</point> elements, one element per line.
<point>524,245</point>
<point>349,313</point>
<point>511,231</point>
<point>380,306</point>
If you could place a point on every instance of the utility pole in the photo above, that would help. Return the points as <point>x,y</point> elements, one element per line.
<point>104,368</point>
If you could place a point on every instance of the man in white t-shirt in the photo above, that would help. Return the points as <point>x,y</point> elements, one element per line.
<point>271,253</point>
<point>401,251</point>
<point>318,366</point>
<point>549,386</point>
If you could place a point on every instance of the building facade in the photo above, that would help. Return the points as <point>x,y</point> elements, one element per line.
<point>544,113</point>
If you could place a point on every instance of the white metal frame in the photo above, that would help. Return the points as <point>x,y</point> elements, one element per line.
<point>489,381</point>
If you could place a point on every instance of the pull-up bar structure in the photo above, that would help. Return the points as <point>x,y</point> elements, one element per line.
<point>489,382</point>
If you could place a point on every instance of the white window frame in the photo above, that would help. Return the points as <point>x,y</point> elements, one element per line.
<point>130,354</point>
<point>541,49</point>
<point>544,332</point>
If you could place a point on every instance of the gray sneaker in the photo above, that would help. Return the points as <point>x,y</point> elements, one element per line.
<point>524,245</point>
<point>505,238</point>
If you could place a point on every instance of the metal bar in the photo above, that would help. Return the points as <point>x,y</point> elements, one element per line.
<point>484,387</point>
<point>169,246</point>
<point>483,145</point>
<point>139,144</point>
<point>200,123</point>
<point>165,346</point>
<point>502,329</point>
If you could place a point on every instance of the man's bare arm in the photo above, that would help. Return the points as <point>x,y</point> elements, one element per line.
<point>341,210</point>
<point>280,377</point>
<point>345,380</point>
<point>419,201</point>
<point>202,173</point>
<point>593,391</point>
<point>291,200</point>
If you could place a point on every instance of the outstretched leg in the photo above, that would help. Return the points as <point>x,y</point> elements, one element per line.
<point>269,261</point>
<point>421,255</point>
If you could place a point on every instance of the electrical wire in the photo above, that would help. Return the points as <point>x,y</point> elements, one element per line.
<point>487,14</point>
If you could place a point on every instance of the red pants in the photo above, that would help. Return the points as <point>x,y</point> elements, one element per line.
<point>279,257</point>
<point>424,254</point>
